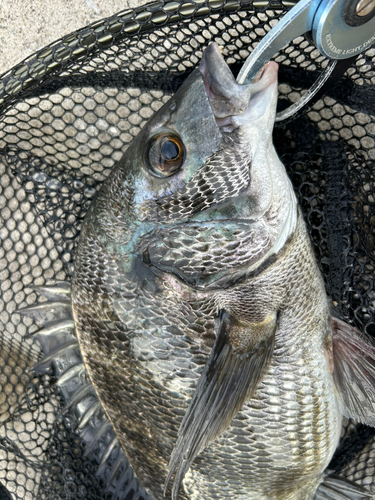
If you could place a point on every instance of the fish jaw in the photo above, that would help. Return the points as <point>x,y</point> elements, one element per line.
<point>235,105</point>
<point>203,124</point>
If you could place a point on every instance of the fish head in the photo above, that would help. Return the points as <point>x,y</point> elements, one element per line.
<point>196,151</point>
<point>205,158</point>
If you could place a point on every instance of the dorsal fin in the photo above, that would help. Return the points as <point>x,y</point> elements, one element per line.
<point>61,354</point>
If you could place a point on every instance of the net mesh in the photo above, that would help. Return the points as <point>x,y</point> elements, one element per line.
<point>68,114</point>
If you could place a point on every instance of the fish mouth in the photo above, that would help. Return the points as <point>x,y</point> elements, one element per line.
<point>260,74</point>
<point>233,104</point>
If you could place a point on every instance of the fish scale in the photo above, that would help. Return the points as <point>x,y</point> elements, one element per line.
<point>126,391</point>
<point>169,249</point>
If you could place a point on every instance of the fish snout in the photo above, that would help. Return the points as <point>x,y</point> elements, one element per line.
<point>235,105</point>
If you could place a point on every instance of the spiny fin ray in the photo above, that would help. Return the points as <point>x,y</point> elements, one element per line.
<point>77,397</point>
<point>61,353</point>
<point>115,468</point>
<point>60,291</point>
<point>113,443</point>
<point>54,354</point>
<point>71,372</point>
<point>54,328</point>
<point>90,412</point>
<point>48,312</point>
<point>100,431</point>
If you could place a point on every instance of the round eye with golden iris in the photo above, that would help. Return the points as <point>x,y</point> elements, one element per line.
<point>166,154</point>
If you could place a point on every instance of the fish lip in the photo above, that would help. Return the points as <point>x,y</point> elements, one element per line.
<point>259,74</point>
<point>266,77</point>
<point>233,103</point>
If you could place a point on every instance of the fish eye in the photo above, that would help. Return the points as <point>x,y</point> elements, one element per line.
<point>165,154</point>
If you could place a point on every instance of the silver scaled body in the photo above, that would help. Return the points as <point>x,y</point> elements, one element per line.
<point>279,444</point>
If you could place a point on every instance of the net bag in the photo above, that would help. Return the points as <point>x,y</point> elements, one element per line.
<point>67,114</point>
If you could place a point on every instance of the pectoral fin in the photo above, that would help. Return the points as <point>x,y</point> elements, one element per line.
<point>354,372</point>
<point>236,363</point>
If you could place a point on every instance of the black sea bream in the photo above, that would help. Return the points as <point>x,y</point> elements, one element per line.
<point>201,313</point>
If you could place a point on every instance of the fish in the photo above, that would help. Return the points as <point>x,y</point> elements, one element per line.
<point>200,312</point>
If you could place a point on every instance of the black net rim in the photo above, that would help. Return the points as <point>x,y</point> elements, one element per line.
<point>48,63</point>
